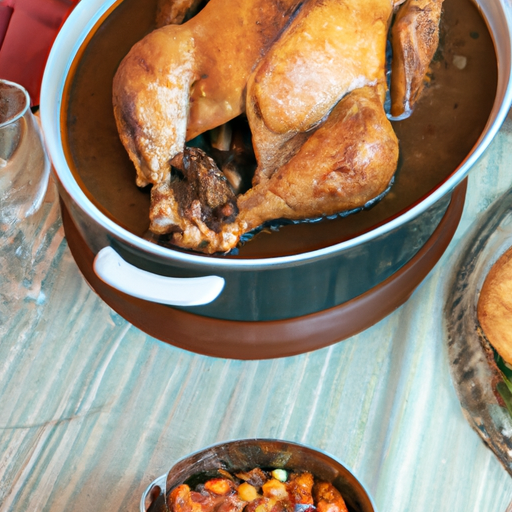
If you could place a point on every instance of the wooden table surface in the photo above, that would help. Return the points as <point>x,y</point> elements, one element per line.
<point>92,409</point>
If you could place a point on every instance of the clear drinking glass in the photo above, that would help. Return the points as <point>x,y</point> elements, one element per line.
<point>24,174</point>
<point>24,165</point>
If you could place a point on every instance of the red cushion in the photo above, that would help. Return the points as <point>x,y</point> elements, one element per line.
<point>27,31</point>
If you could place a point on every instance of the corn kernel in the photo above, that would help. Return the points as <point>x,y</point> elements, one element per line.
<point>247,492</point>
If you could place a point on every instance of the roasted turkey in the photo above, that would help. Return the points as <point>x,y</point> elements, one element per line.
<point>310,77</point>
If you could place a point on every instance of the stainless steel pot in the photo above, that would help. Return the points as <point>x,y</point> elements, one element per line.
<point>251,289</point>
<point>246,454</point>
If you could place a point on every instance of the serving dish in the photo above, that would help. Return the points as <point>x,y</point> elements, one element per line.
<point>245,454</point>
<point>302,270</point>
<point>475,373</point>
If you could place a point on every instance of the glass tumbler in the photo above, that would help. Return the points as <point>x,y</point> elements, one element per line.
<point>24,174</point>
<point>24,165</point>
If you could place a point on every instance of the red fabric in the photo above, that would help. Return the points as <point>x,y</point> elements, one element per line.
<point>5,17</point>
<point>27,31</point>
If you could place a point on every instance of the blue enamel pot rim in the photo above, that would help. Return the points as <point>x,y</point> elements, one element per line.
<point>84,19</point>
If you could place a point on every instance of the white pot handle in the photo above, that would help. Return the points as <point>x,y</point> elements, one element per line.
<point>173,291</point>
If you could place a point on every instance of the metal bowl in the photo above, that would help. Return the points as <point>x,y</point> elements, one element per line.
<point>245,454</point>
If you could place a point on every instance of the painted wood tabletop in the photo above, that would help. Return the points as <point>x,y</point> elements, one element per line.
<point>92,409</point>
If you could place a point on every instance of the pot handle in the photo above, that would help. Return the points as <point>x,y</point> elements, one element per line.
<point>173,291</point>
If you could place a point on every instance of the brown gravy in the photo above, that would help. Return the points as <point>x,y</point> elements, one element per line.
<point>434,141</point>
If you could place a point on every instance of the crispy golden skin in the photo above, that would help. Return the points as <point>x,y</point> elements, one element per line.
<point>415,38</point>
<point>331,48</point>
<point>182,80</point>
<point>346,162</point>
<point>495,306</point>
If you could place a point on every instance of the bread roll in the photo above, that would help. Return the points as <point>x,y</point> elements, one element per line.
<point>495,306</point>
